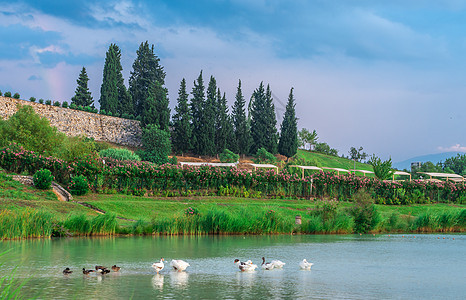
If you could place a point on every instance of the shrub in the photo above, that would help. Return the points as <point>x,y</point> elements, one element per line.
<point>56,103</point>
<point>103,112</point>
<point>16,96</point>
<point>64,104</point>
<point>1,93</point>
<point>109,113</point>
<point>8,94</point>
<point>173,160</point>
<point>382,169</point>
<point>79,185</point>
<point>43,179</point>
<point>119,154</point>
<point>364,212</point>
<point>263,156</point>
<point>79,107</point>
<point>48,102</point>
<point>41,101</point>
<point>191,211</point>
<point>156,143</point>
<point>73,105</point>
<point>32,99</point>
<point>228,157</point>
<point>87,108</point>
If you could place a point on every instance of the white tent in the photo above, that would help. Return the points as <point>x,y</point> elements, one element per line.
<point>336,169</point>
<point>306,168</point>
<point>447,176</point>
<point>200,164</point>
<point>264,166</point>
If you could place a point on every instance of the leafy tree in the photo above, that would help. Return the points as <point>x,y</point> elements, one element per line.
<point>182,127</point>
<point>457,164</point>
<point>156,109</point>
<point>364,212</point>
<point>357,154</point>
<point>16,96</point>
<point>306,137</point>
<point>382,169</point>
<point>82,95</point>
<point>113,94</point>
<point>263,121</point>
<point>263,156</point>
<point>240,123</point>
<point>146,71</point>
<point>325,149</point>
<point>288,144</point>
<point>197,108</point>
<point>224,137</point>
<point>30,130</point>
<point>156,143</point>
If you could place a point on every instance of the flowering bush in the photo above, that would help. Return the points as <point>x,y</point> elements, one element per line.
<point>191,211</point>
<point>79,185</point>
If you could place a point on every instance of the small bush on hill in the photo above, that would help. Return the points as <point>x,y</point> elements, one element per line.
<point>103,112</point>
<point>48,102</point>
<point>56,103</point>
<point>73,105</point>
<point>32,99</point>
<point>119,154</point>
<point>88,109</point>
<point>79,185</point>
<point>263,156</point>
<point>41,101</point>
<point>156,143</point>
<point>8,94</point>
<point>16,96</point>
<point>64,104</point>
<point>228,157</point>
<point>76,146</point>
<point>43,179</point>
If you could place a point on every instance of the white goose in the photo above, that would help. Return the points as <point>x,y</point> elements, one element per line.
<point>158,266</point>
<point>267,266</point>
<point>277,263</point>
<point>305,265</point>
<point>247,266</point>
<point>179,265</point>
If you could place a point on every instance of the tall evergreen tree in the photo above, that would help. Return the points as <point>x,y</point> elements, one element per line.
<point>182,127</point>
<point>224,136</point>
<point>146,70</point>
<point>197,108</point>
<point>109,88</point>
<point>240,123</point>
<point>263,121</point>
<point>156,110</point>
<point>209,117</point>
<point>288,144</point>
<point>82,95</point>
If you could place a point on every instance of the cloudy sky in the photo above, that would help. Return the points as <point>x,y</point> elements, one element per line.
<point>385,75</point>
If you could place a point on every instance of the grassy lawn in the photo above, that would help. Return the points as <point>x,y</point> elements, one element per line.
<point>323,160</point>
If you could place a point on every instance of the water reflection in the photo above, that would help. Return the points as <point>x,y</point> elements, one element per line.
<point>179,279</point>
<point>157,282</point>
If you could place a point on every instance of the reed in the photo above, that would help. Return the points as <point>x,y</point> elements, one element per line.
<point>78,223</point>
<point>10,287</point>
<point>24,224</point>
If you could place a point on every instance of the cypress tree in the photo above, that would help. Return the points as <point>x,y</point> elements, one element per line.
<point>263,121</point>
<point>209,118</point>
<point>146,70</point>
<point>288,144</point>
<point>109,88</point>
<point>224,136</point>
<point>155,110</point>
<point>240,123</point>
<point>182,127</point>
<point>197,107</point>
<point>82,95</point>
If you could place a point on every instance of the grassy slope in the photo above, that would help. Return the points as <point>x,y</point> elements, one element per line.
<point>323,160</point>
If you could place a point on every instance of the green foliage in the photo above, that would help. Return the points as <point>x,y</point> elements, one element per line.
<point>74,147</point>
<point>191,211</point>
<point>48,102</point>
<point>263,156</point>
<point>32,99</point>
<point>197,111</point>
<point>240,123</point>
<point>25,224</point>
<point>82,95</point>
<point>56,103</point>
<point>7,94</point>
<point>16,96</point>
<point>43,179</point>
<point>146,71</point>
<point>208,117</point>
<point>79,185</point>
<point>457,164</point>
<point>1,93</point>
<point>27,128</point>
<point>173,160</point>
<point>325,149</point>
<point>228,157</point>
<point>224,134</point>
<point>364,212</point>
<point>73,106</point>
<point>119,154</point>
<point>182,127</point>
<point>357,154</point>
<point>41,101</point>
<point>155,107</point>
<point>382,169</point>
<point>64,104</point>
<point>263,121</point>
<point>306,137</point>
<point>288,144</point>
<point>156,143</point>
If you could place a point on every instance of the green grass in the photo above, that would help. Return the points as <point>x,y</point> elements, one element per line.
<point>323,160</point>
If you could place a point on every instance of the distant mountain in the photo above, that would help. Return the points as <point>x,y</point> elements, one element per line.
<point>434,158</point>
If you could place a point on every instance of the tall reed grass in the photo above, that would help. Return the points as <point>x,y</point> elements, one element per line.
<point>24,224</point>
<point>80,224</point>
<point>10,287</point>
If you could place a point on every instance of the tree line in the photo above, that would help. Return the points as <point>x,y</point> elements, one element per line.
<point>202,123</point>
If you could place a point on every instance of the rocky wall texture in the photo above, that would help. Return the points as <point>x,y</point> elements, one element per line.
<point>74,122</point>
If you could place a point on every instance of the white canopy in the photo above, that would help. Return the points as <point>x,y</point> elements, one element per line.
<point>336,169</point>
<point>264,166</point>
<point>183,163</point>
<point>454,177</point>
<point>364,172</point>
<point>401,173</point>
<point>306,168</point>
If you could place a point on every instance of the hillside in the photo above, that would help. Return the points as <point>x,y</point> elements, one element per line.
<point>322,160</point>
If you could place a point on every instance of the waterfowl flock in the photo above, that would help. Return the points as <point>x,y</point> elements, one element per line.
<point>180,266</point>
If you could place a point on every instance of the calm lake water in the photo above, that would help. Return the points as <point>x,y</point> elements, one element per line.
<point>345,267</point>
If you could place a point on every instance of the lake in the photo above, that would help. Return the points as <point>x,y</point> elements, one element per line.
<point>345,267</point>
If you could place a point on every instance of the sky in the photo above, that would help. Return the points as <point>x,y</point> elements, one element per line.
<point>389,76</point>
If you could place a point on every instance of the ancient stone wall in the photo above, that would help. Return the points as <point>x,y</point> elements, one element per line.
<point>74,122</point>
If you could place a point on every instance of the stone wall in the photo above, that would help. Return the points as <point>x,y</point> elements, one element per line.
<point>74,122</point>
